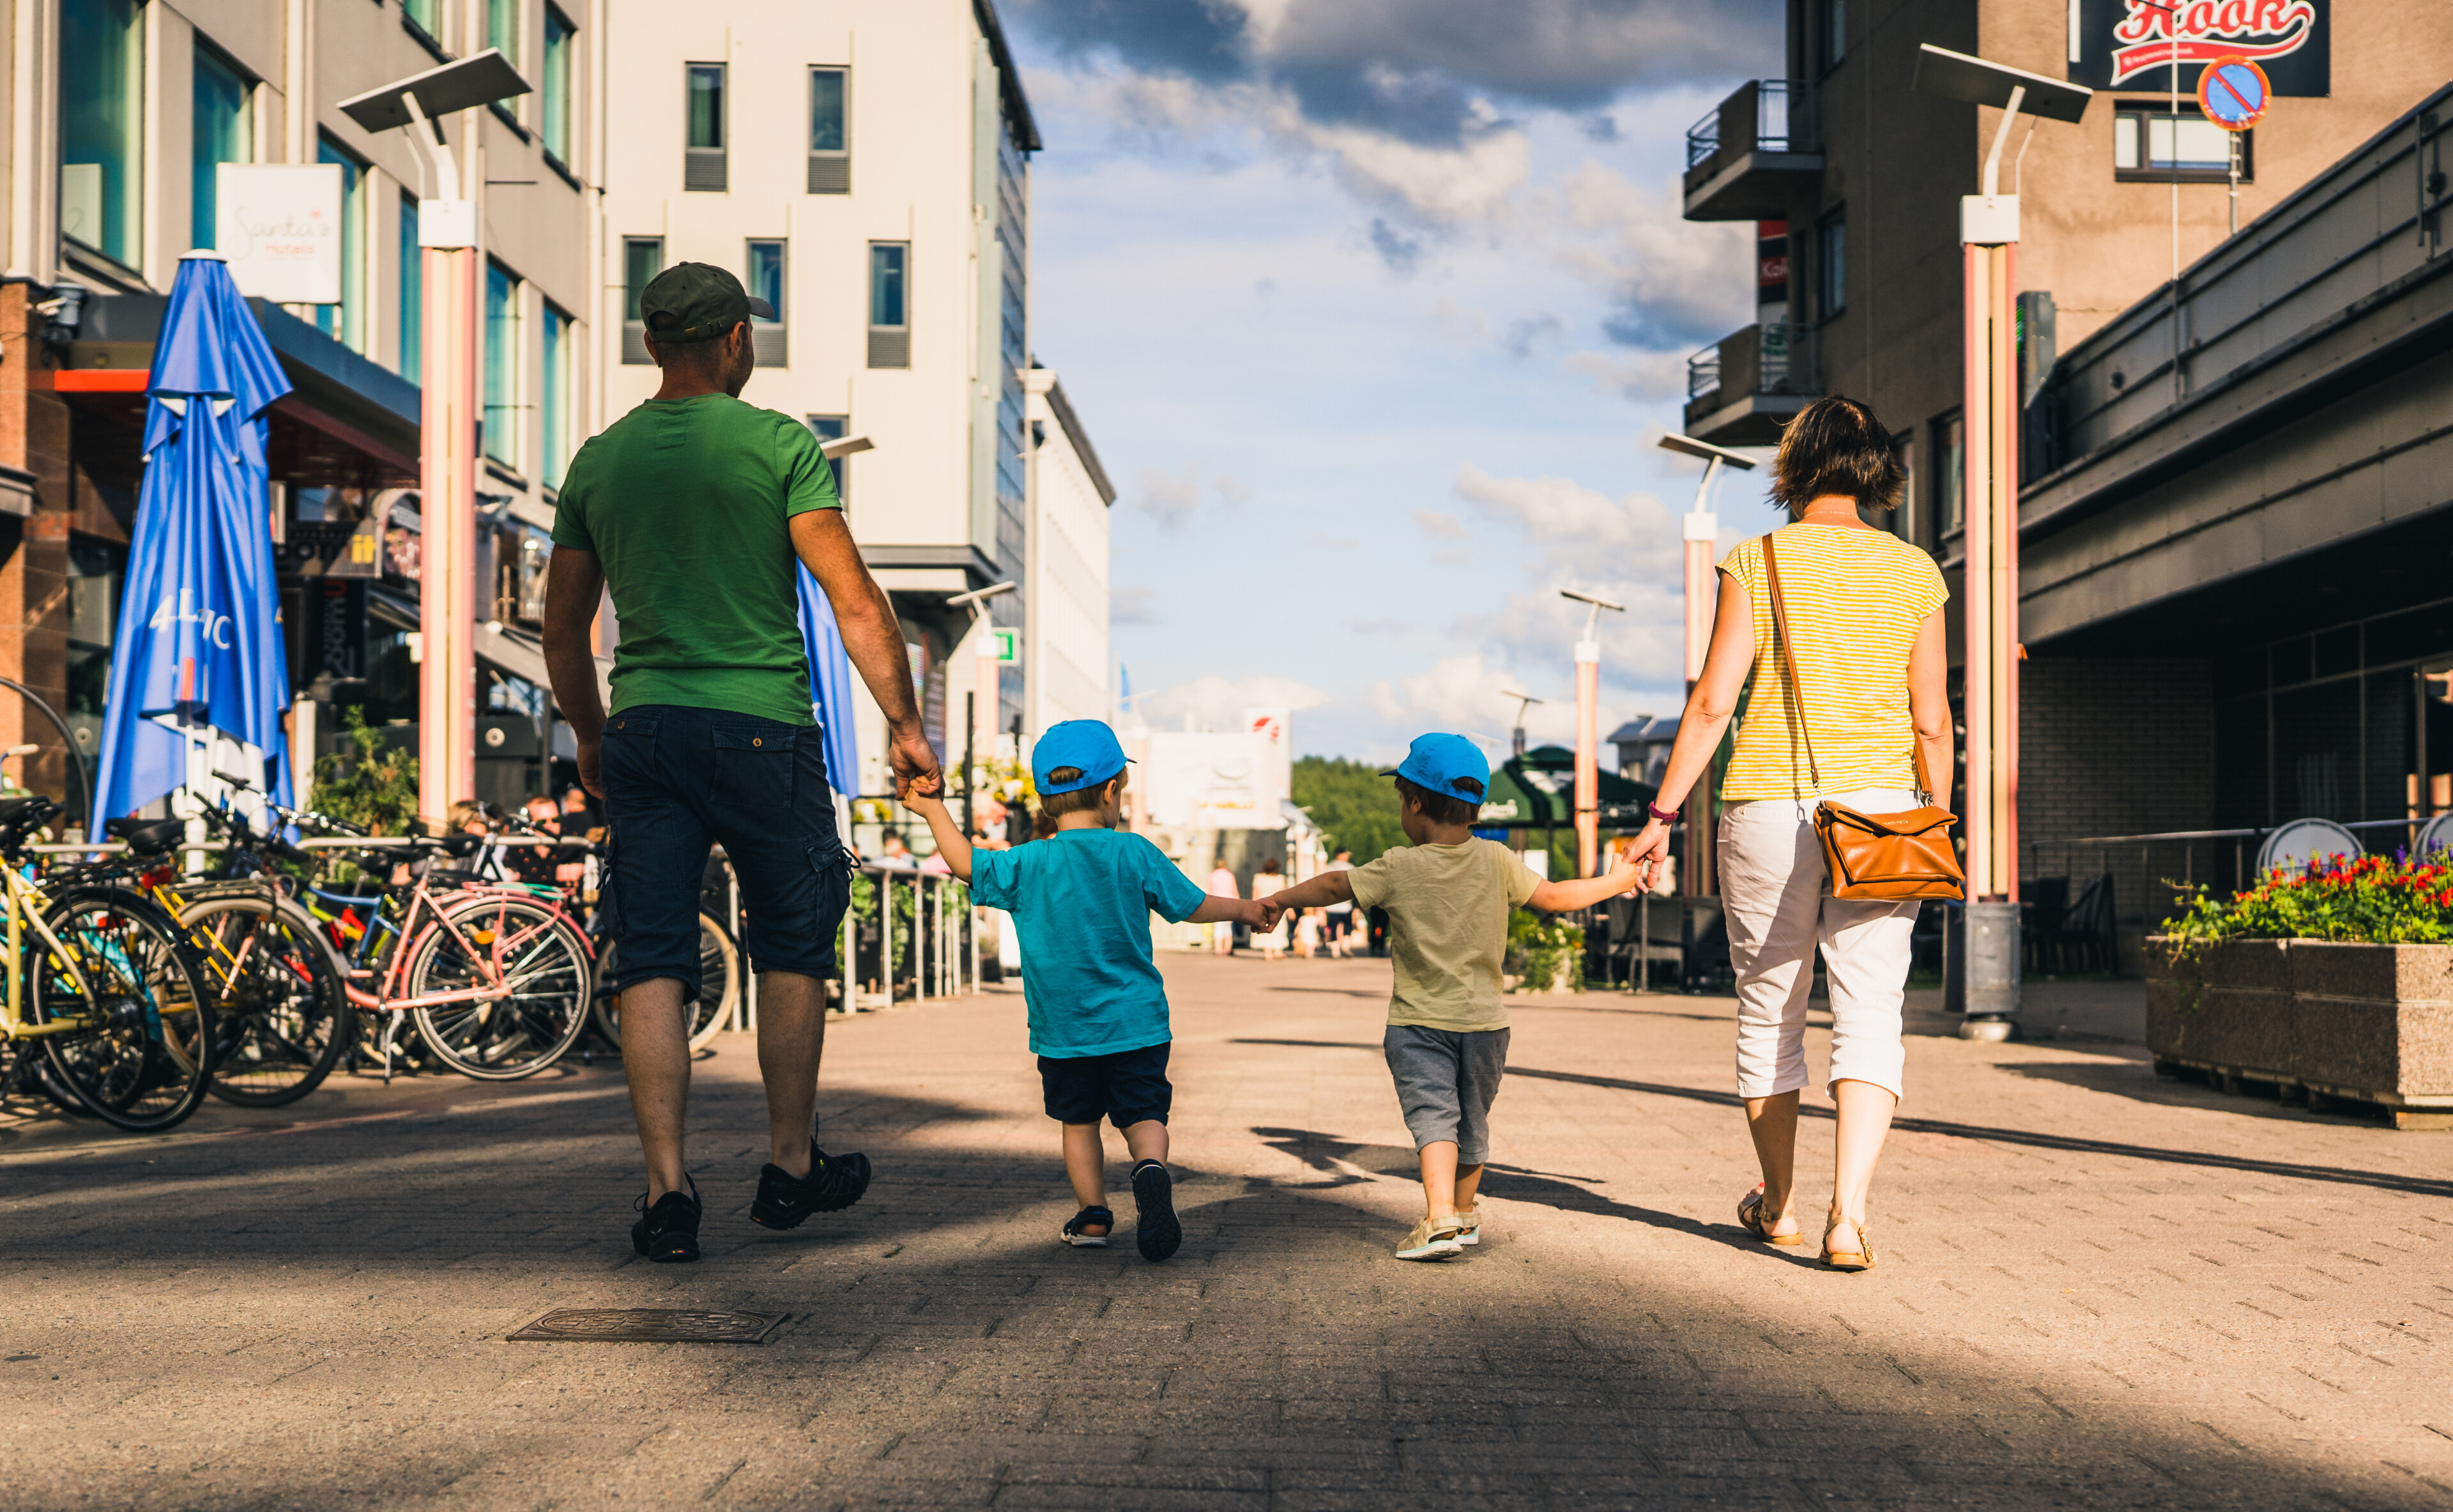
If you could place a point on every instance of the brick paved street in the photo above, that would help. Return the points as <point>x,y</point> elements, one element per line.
<point>2097,1290</point>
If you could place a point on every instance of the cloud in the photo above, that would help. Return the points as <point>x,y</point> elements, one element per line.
<point>1171,499</point>
<point>1400,251</point>
<point>1577,527</point>
<point>1669,281</point>
<point>1439,526</point>
<point>1131,605</point>
<point>1218,702</point>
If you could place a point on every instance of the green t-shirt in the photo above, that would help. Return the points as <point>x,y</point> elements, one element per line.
<point>684,502</point>
<point>1447,929</point>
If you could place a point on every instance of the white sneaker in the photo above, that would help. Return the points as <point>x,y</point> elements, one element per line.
<point>1432,1239</point>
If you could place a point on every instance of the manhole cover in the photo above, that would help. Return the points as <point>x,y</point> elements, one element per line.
<point>646,1325</point>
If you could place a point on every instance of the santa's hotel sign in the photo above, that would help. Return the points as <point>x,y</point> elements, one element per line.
<point>2130,44</point>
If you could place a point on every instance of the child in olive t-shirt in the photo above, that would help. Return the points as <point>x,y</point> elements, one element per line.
<point>1448,897</point>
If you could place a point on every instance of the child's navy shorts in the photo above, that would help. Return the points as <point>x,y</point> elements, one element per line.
<point>1130,1086</point>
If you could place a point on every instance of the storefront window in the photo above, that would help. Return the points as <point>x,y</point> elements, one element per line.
<point>95,570</point>
<point>224,132</point>
<point>102,154</point>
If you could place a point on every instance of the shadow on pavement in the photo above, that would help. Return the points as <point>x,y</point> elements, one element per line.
<point>2030,1139</point>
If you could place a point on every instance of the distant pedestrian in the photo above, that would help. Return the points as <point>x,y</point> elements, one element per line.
<point>1448,895</point>
<point>1864,613</point>
<point>1270,942</point>
<point>1223,884</point>
<point>698,512</point>
<point>1339,924</point>
<point>1081,901</point>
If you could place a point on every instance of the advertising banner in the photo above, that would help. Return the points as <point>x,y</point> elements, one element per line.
<point>279,226</point>
<point>2129,44</point>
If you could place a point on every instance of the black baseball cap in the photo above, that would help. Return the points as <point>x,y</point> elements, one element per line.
<point>697,302</point>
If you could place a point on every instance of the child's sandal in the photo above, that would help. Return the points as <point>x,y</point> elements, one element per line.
<point>1072,1233</point>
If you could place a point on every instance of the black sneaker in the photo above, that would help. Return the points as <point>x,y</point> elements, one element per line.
<point>834,1183</point>
<point>667,1231</point>
<point>1158,1232</point>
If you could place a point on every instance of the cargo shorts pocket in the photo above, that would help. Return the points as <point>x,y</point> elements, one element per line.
<point>755,768</point>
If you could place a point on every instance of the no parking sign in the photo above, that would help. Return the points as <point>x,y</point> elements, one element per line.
<point>2233,91</point>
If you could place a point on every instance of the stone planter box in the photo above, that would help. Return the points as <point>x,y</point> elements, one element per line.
<point>2322,1020</point>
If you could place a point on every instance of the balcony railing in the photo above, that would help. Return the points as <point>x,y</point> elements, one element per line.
<point>1775,358</point>
<point>1764,115</point>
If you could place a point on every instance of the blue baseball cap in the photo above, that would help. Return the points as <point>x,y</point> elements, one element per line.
<point>1437,763</point>
<point>1088,745</point>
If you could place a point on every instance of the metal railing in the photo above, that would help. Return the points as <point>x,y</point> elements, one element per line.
<point>1773,358</point>
<point>1762,115</point>
<point>2229,856</point>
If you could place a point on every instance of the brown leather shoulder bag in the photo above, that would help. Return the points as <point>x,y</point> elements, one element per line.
<point>1891,857</point>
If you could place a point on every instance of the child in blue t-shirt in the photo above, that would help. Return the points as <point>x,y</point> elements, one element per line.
<point>1081,900</point>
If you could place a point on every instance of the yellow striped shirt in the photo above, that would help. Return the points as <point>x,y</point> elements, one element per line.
<point>1855,599</point>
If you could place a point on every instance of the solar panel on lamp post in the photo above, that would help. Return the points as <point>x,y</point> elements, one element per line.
<point>448,415</point>
<point>1988,231</point>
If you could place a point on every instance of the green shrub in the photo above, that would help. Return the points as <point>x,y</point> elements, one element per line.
<point>2373,900</point>
<point>375,788</point>
<point>1539,946</point>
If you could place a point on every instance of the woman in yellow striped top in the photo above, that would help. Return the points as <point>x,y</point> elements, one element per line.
<point>1865,618</point>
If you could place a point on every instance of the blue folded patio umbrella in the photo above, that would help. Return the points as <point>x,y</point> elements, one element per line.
<point>200,648</point>
<point>829,686</point>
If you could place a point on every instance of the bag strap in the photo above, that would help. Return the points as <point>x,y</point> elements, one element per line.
<point>1788,658</point>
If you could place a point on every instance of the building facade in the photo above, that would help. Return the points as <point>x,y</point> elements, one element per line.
<point>864,166</point>
<point>122,112</point>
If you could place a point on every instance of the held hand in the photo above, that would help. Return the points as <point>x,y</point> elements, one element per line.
<point>590,769</point>
<point>914,763</point>
<point>1261,914</point>
<point>1646,853</point>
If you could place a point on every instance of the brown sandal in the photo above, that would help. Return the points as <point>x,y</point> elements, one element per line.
<point>1750,1215</point>
<point>1861,1257</point>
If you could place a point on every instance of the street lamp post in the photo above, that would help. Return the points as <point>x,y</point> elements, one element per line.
<point>448,418</point>
<point>1703,531</point>
<point>1989,236</point>
<point>1523,701</point>
<point>1589,692</point>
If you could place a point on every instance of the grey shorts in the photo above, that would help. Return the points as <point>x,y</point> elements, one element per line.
<point>1445,1082</point>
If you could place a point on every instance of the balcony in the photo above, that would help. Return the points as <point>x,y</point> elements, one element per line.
<point>1746,159</point>
<point>1742,391</point>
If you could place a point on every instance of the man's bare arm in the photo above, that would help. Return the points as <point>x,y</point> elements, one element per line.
<point>873,638</point>
<point>574,591</point>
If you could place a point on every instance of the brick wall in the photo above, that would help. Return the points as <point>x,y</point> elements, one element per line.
<point>2115,747</point>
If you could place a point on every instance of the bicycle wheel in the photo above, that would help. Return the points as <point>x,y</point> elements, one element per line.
<point>719,976</point>
<point>281,1019</point>
<point>141,1056</point>
<point>525,947</point>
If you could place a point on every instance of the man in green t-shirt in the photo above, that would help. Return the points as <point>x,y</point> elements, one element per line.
<point>696,510</point>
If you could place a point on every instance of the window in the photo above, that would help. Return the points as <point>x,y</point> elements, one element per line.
<point>1830,266</point>
<point>413,294</point>
<point>503,27</point>
<point>766,282</point>
<point>1950,474</point>
<point>102,123</point>
<point>557,105</point>
<point>1834,38</point>
<point>702,164</point>
<point>642,258</point>
<point>556,398</point>
<point>829,132</point>
<point>890,305</point>
<point>420,14</point>
<point>224,132</point>
<point>1903,520</point>
<point>96,569</point>
<point>834,427</point>
<point>346,321</point>
<point>502,428</point>
<point>2149,144</point>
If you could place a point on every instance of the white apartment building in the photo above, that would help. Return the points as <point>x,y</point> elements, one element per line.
<point>864,166</point>
<point>1065,639</point>
<point>120,113</point>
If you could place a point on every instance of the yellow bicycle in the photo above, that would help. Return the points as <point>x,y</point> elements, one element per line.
<point>103,1010</point>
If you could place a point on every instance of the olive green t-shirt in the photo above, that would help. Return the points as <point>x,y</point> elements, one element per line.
<point>684,502</point>
<point>1447,929</point>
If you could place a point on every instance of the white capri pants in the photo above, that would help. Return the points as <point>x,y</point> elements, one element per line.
<point>1776,900</point>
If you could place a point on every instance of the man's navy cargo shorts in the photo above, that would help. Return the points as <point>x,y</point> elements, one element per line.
<point>679,779</point>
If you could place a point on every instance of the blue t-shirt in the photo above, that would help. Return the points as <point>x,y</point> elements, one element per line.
<point>1081,901</point>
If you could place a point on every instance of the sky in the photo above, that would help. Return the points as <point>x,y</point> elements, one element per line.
<point>1375,311</point>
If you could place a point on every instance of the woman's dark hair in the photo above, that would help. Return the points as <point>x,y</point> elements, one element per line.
<point>1837,446</point>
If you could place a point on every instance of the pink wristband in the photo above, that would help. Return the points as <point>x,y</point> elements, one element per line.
<point>1666,816</point>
